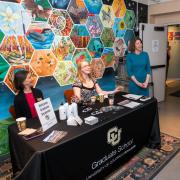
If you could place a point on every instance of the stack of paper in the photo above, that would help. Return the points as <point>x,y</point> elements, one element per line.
<point>132,96</point>
<point>132,104</point>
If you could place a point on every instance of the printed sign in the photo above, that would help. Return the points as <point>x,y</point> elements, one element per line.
<point>46,113</point>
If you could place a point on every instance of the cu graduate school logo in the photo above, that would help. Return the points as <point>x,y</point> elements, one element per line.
<point>114,136</point>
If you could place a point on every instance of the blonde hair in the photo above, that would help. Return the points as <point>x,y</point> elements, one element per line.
<point>79,72</point>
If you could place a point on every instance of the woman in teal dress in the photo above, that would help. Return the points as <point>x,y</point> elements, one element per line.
<point>138,68</point>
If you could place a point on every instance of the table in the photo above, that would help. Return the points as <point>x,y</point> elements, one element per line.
<point>87,152</point>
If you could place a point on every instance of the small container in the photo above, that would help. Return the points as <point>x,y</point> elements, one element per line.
<point>21,123</point>
<point>62,112</point>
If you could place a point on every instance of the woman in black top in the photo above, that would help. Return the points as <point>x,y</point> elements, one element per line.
<point>85,86</point>
<point>27,95</point>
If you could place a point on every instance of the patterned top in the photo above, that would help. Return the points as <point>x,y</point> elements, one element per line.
<point>86,93</point>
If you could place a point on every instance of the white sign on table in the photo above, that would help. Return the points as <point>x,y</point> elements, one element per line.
<point>46,114</point>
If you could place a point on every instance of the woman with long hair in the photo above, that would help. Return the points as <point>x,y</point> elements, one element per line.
<point>27,95</point>
<point>85,86</point>
<point>138,68</point>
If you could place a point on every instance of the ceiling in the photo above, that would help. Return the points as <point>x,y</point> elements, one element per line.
<point>152,1</point>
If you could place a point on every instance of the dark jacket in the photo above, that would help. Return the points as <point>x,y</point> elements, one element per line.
<point>21,105</point>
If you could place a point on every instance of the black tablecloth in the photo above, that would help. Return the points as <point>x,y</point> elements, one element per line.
<point>86,152</point>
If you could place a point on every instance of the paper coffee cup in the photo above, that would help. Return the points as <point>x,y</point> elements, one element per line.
<point>101,98</point>
<point>21,123</point>
<point>93,99</point>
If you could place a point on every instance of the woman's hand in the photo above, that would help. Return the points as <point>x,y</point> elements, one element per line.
<point>119,88</point>
<point>144,85</point>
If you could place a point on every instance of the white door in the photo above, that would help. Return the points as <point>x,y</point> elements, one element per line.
<point>154,39</point>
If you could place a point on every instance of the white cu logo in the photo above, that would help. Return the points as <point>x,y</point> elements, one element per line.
<point>114,136</point>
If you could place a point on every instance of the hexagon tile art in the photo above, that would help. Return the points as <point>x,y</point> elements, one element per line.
<point>60,22</point>
<point>130,19</point>
<point>63,48</point>
<point>95,47</point>
<point>108,37</point>
<point>93,7</point>
<point>10,76</point>
<point>80,36</point>
<point>4,66</point>
<point>65,73</point>
<point>16,49</point>
<point>43,62</point>
<point>78,11</point>
<point>40,10</point>
<point>59,4</point>
<point>98,68</point>
<point>1,36</point>
<point>119,27</point>
<point>94,25</point>
<point>119,8</point>
<point>119,47</point>
<point>40,35</point>
<point>81,55</point>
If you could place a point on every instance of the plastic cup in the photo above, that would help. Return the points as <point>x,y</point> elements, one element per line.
<point>101,98</point>
<point>111,99</point>
<point>21,123</point>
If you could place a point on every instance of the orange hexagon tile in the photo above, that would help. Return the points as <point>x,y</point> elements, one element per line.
<point>13,69</point>
<point>16,49</point>
<point>119,8</point>
<point>43,62</point>
<point>98,68</point>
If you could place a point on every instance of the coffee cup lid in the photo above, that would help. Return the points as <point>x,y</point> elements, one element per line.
<point>21,119</point>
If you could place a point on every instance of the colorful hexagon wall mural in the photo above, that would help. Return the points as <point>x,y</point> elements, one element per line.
<point>49,37</point>
<point>119,47</point>
<point>1,36</point>
<point>80,36</point>
<point>63,48</point>
<point>95,47</point>
<point>108,37</point>
<point>119,8</point>
<point>43,62</point>
<point>4,66</point>
<point>108,57</point>
<point>93,7</point>
<point>65,73</point>
<point>14,19</point>
<point>10,76</point>
<point>40,9</point>
<point>78,11</point>
<point>107,16</point>
<point>94,25</point>
<point>59,4</point>
<point>81,55</point>
<point>60,22</point>
<point>40,35</point>
<point>16,49</point>
<point>119,27</point>
<point>98,68</point>
<point>130,19</point>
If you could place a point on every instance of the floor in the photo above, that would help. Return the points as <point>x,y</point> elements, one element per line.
<point>169,113</point>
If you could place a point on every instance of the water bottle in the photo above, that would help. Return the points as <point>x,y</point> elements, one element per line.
<point>62,112</point>
<point>70,111</point>
<point>75,109</point>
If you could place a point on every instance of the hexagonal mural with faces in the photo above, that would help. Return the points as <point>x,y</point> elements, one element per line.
<point>80,36</point>
<point>94,25</point>
<point>119,27</point>
<point>81,55</point>
<point>65,73</point>
<point>63,48</point>
<point>9,80</point>
<point>98,68</point>
<point>40,35</point>
<point>4,66</point>
<point>43,62</point>
<point>16,49</point>
<point>119,8</point>
<point>39,10</point>
<point>130,19</point>
<point>107,16</point>
<point>60,22</point>
<point>78,11</point>
<point>95,47</point>
<point>108,37</point>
